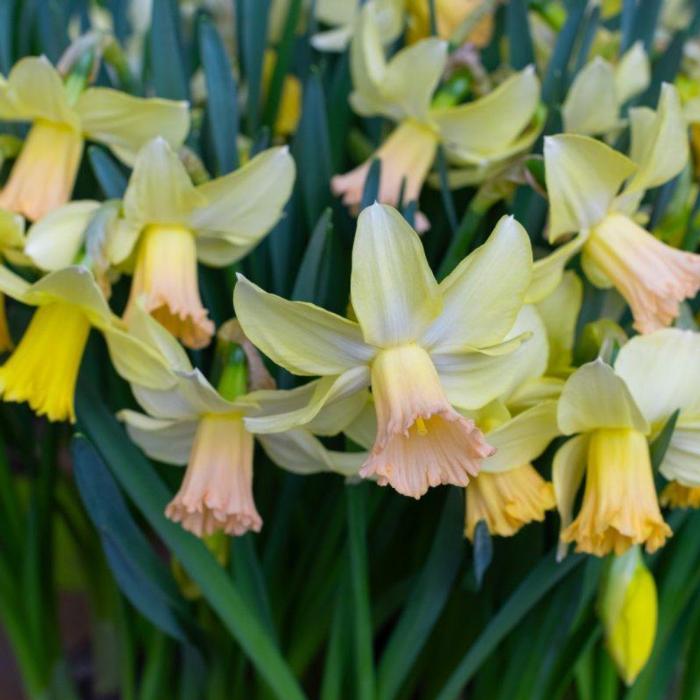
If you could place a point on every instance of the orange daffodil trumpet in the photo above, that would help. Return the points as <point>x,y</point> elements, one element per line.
<point>614,412</point>
<point>584,177</point>
<point>43,369</point>
<point>42,177</point>
<point>423,347</point>
<point>475,136</point>
<point>188,421</point>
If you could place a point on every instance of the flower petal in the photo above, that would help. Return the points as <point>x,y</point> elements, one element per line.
<point>568,468</point>
<point>55,240</point>
<point>595,397</point>
<point>304,404</point>
<point>242,207</point>
<point>632,73</point>
<point>662,371</point>
<point>484,293</point>
<point>547,272</point>
<point>126,123</point>
<point>591,105</point>
<point>482,129</point>
<point>523,438</point>
<point>682,459</point>
<point>298,336</point>
<point>160,190</point>
<point>583,177</point>
<point>168,441</point>
<point>393,290</point>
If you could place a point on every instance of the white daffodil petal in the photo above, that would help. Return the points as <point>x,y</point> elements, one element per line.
<point>568,468</point>
<point>682,459</point>
<point>547,272</point>
<point>332,39</point>
<point>126,123</point>
<point>522,438</point>
<point>168,441</point>
<point>363,429</point>
<point>583,177</point>
<point>632,73</point>
<point>488,126</point>
<point>55,240</point>
<point>393,290</point>
<point>160,190</point>
<point>300,452</point>
<point>662,371</point>
<point>325,391</point>
<point>13,285</point>
<point>595,397</point>
<point>591,105</point>
<point>483,295</point>
<point>660,147</point>
<point>298,336</point>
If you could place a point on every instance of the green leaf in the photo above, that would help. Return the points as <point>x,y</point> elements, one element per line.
<point>536,585</point>
<point>139,480</point>
<point>427,600</point>
<point>359,584</point>
<point>520,49</point>
<point>447,201</point>
<point>166,53</point>
<point>222,108</point>
<point>252,17</point>
<point>657,449</point>
<point>7,16</point>
<point>483,551</point>
<point>370,192</point>
<point>307,286</point>
<point>108,172</point>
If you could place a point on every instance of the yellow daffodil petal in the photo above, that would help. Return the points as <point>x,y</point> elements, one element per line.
<point>168,441</point>
<point>662,371</point>
<point>11,231</point>
<point>13,285</point>
<point>595,397</point>
<point>298,336</point>
<point>126,123</point>
<point>160,190</point>
<point>568,468</point>
<point>632,73</point>
<point>522,438</point>
<point>559,312</point>
<point>34,90</point>
<point>583,177</point>
<point>394,293</point>
<point>316,396</point>
<point>300,452</point>
<point>659,146</point>
<point>484,293</point>
<point>547,272</point>
<point>591,105</point>
<point>534,391</point>
<point>54,241</point>
<point>479,130</point>
<point>363,428</point>
<point>240,208</point>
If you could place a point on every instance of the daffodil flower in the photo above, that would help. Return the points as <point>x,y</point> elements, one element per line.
<point>619,507</point>
<point>584,177</point>
<point>11,246</point>
<point>451,17</point>
<point>43,369</point>
<point>476,136</point>
<point>628,609</point>
<point>191,423</point>
<point>169,224</point>
<point>423,347</point>
<point>42,177</point>
<point>599,91</point>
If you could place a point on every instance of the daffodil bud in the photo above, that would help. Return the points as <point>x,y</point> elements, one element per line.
<point>628,611</point>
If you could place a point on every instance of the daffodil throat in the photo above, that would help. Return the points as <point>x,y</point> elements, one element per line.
<point>619,506</point>
<point>43,175</point>
<point>43,370</point>
<point>165,279</point>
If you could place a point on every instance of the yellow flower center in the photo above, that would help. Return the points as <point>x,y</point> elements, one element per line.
<point>44,368</point>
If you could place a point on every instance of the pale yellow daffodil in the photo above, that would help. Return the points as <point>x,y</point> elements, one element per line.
<point>599,91</point>
<point>584,177</point>
<point>42,177</point>
<point>628,609</point>
<point>11,246</point>
<point>619,507</point>
<point>189,422</point>
<point>476,135</point>
<point>170,224</point>
<point>43,369</point>
<point>423,347</point>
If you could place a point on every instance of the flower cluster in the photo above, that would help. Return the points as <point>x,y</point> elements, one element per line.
<point>466,380</point>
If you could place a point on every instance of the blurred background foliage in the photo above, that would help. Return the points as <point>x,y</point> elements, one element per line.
<point>350,591</point>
